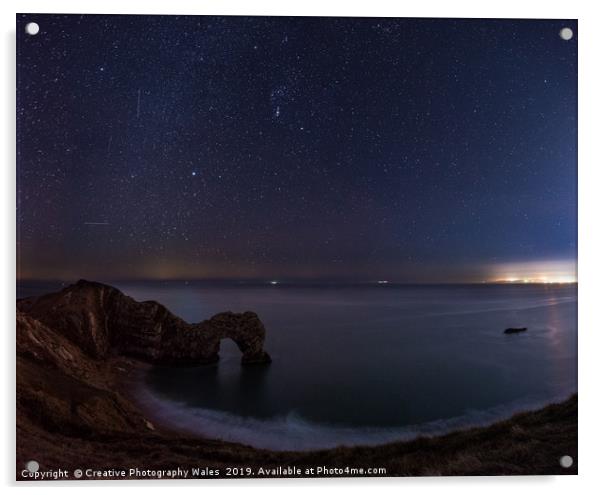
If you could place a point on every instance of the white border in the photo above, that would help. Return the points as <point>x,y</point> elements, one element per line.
<point>590,242</point>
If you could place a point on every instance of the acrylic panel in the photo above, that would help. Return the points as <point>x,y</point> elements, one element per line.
<point>258,247</point>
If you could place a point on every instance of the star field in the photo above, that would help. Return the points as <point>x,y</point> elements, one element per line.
<point>323,148</point>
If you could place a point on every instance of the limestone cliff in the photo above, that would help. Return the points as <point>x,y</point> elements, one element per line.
<point>101,320</point>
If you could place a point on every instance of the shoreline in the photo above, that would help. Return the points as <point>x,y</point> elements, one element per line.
<point>169,416</point>
<point>527,443</point>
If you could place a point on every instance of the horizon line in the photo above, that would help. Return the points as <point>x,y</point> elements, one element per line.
<point>284,281</point>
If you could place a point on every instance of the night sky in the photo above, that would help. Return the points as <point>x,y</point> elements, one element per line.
<point>411,150</point>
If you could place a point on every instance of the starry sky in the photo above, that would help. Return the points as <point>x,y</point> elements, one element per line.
<point>193,147</point>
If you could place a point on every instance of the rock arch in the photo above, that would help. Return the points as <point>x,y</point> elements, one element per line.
<point>101,319</point>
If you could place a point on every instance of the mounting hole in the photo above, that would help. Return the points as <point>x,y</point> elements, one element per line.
<point>32,28</point>
<point>566,33</point>
<point>566,461</point>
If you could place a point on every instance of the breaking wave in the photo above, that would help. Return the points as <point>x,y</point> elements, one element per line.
<point>293,432</point>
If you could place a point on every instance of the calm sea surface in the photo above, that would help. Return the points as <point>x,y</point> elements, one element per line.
<point>367,364</point>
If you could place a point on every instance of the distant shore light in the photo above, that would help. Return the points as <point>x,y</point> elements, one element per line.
<point>558,271</point>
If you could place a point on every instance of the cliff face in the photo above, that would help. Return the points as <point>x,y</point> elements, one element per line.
<point>72,361</point>
<point>62,389</point>
<point>101,320</point>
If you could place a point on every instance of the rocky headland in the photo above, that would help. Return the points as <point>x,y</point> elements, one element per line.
<point>103,321</point>
<point>80,351</point>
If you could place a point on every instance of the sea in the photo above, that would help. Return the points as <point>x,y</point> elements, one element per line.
<point>364,364</point>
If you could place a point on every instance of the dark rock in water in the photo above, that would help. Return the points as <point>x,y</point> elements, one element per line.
<point>102,320</point>
<point>515,330</point>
